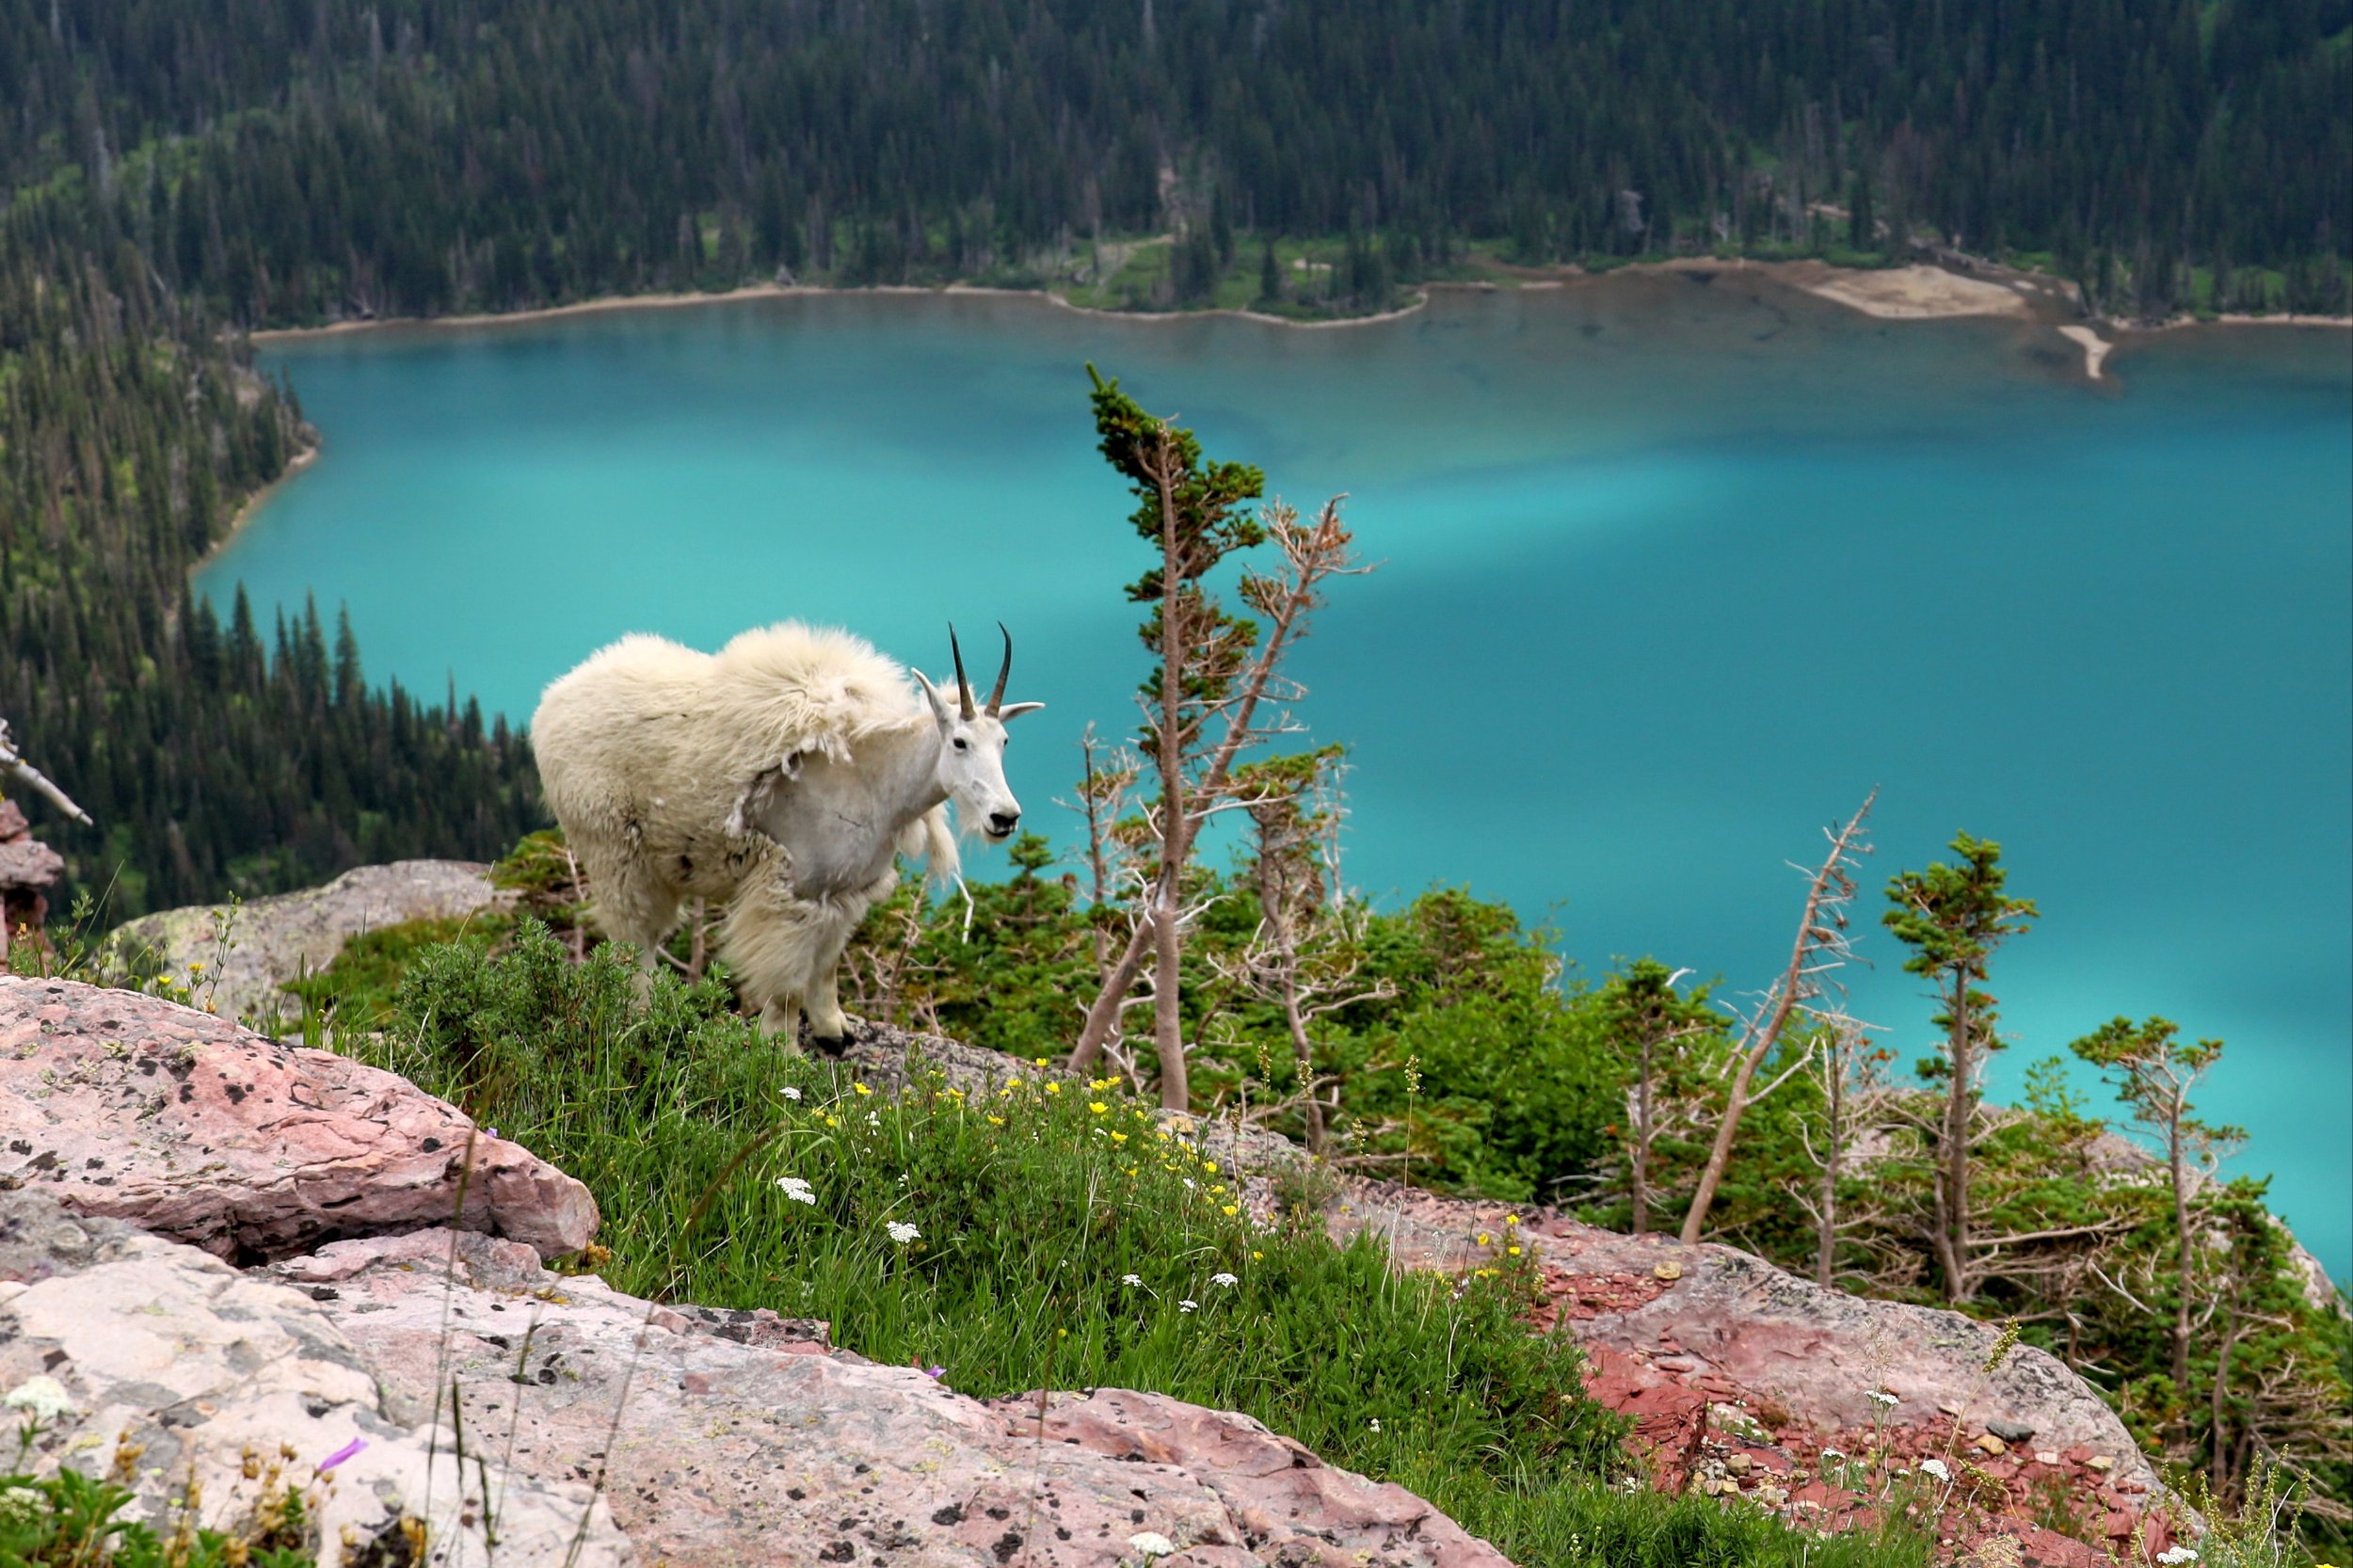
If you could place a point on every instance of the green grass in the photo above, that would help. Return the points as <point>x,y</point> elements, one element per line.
<point>1034,1205</point>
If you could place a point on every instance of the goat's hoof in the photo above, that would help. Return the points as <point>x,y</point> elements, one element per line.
<point>832,1046</point>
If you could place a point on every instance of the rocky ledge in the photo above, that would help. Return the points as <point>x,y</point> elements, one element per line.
<point>396,1322</point>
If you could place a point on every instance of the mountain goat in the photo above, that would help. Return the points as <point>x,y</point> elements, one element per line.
<point>780,778</point>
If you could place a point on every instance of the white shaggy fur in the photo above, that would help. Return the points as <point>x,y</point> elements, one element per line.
<point>777,778</point>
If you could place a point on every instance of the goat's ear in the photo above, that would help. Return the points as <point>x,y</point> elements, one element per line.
<point>1012,711</point>
<point>931,695</point>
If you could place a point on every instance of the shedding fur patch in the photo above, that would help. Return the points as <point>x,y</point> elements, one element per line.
<point>791,688</point>
<point>781,945</point>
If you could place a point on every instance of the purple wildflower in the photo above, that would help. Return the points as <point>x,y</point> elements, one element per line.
<point>341,1454</point>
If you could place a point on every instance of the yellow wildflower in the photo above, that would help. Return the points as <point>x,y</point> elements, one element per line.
<point>1053,1088</point>
<point>861,1088</point>
<point>1098,1107</point>
<point>1229,1211</point>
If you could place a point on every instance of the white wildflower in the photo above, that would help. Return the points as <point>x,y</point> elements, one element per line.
<point>797,1189</point>
<point>1935,1467</point>
<point>1376,1423</point>
<point>1223,1279</point>
<point>22,1504</point>
<point>1132,1279</point>
<point>1832,1453</point>
<point>901,1232</point>
<point>792,1092</point>
<point>1880,1396</point>
<point>1188,1181</point>
<point>1151,1543</point>
<point>2176,1553</point>
<point>1187,1306</point>
<point>45,1397</point>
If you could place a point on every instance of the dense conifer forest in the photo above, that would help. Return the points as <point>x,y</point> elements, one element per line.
<point>245,757</point>
<point>173,170</point>
<point>294,162</point>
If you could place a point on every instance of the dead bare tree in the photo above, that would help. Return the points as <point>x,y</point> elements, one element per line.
<point>1855,1095</point>
<point>1653,1026</point>
<point>1112,878</point>
<point>14,765</point>
<point>1306,952</point>
<point>1821,950</point>
<point>1219,691</point>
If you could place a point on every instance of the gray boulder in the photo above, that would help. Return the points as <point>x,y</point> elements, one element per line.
<point>249,952</point>
<point>739,1438</point>
<point>178,1367</point>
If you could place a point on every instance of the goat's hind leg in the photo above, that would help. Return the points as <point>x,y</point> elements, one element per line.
<point>631,906</point>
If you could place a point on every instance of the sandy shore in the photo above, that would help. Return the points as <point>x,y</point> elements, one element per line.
<point>549,312</point>
<point>2095,347</point>
<point>1919,293</point>
<point>253,503</point>
<point>1914,292</point>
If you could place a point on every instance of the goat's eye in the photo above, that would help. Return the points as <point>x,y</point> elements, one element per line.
<point>960,745</point>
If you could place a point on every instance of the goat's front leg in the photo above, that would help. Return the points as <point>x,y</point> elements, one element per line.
<point>828,1026</point>
<point>781,1020</point>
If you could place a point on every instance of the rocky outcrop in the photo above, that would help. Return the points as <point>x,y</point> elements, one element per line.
<point>249,952</point>
<point>650,1433</point>
<point>29,869</point>
<point>721,1437</point>
<point>186,1124</point>
<point>727,1438</point>
<point>177,1368</point>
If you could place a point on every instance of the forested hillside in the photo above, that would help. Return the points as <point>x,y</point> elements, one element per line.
<point>174,168</point>
<point>213,758</point>
<point>294,162</point>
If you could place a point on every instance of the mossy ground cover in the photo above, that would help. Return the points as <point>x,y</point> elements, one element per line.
<point>1041,1233</point>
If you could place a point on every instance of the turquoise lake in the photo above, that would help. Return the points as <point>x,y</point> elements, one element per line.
<point>1676,570</point>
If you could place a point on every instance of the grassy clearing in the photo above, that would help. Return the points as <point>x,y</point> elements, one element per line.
<point>1042,1234</point>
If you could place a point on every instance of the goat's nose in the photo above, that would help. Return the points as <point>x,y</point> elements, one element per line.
<point>1002,822</point>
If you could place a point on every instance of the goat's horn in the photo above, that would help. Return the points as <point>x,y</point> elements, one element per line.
<point>964,687</point>
<point>997,697</point>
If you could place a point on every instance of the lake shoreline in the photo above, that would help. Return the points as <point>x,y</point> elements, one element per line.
<point>1920,292</point>
<point>250,507</point>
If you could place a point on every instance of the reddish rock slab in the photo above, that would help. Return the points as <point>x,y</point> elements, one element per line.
<point>184,1123</point>
<point>1821,1354</point>
<point>1271,1486</point>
